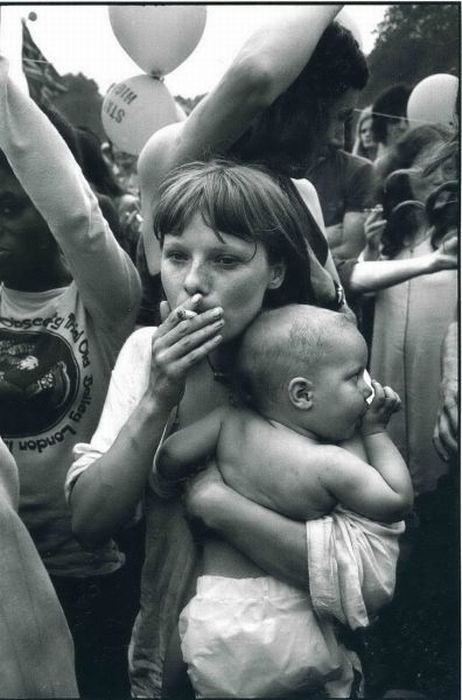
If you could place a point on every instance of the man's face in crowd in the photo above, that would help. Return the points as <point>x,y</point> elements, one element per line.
<point>340,113</point>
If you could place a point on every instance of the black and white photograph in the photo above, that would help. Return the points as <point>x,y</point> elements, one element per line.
<point>230,350</point>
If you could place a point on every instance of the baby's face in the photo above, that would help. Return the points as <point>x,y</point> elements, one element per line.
<point>340,390</point>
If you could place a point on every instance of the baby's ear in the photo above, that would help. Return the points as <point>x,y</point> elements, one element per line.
<point>300,392</point>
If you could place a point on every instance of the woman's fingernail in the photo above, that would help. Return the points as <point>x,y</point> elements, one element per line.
<point>218,311</point>
<point>196,298</point>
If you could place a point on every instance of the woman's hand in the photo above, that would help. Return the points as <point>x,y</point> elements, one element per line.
<point>445,435</point>
<point>184,338</point>
<point>374,227</point>
<point>445,257</point>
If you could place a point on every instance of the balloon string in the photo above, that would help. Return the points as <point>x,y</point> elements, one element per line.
<point>392,116</point>
<point>156,76</point>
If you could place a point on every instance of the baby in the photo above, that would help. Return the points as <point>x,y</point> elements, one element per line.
<point>301,373</point>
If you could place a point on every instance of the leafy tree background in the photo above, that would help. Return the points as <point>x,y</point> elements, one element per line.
<point>81,104</point>
<point>414,41</point>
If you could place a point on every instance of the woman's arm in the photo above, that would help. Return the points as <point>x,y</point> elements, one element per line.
<point>371,276</point>
<point>107,491</point>
<point>345,562</point>
<point>275,543</point>
<point>270,60</point>
<point>40,159</point>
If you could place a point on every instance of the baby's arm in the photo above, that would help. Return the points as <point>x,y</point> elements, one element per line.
<point>183,450</point>
<point>382,489</point>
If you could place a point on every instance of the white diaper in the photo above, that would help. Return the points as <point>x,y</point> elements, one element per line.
<point>257,637</point>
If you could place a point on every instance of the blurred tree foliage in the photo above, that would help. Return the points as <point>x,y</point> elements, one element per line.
<point>413,41</point>
<point>81,104</point>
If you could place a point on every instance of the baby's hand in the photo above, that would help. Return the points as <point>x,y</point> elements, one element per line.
<point>385,403</point>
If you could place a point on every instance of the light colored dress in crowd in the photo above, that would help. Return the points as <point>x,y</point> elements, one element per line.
<point>411,320</point>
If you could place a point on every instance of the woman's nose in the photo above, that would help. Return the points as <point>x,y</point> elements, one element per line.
<point>197,280</point>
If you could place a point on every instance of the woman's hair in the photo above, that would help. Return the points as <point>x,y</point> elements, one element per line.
<point>397,187</point>
<point>358,148</point>
<point>286,134</point>
<point>390,106</point>
<point>242,201</point>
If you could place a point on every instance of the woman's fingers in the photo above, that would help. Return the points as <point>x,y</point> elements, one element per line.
<point>172,317</point>
<point>188,330</point>
<point>164,309</point>
<point>181,343</point>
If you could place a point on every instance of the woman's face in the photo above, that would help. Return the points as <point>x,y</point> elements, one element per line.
<point>24,234</point>
<point>422,186</point>
<point>234,274</point>
<point>365,133</point>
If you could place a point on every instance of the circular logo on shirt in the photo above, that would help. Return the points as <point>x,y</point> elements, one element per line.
<point>39,377</point>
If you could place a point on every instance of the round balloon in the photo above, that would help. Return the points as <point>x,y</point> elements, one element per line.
<point>344,18</point>
<point>433,101</point>
<point>158,37</point>
<point>134,109</point>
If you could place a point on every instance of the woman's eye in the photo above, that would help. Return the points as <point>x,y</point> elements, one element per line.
<point>227,260</point>
<point>5,211</point>
<point>175,256</point>
<point>9,209</point>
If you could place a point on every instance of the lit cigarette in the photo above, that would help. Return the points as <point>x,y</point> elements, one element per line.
<point>183,314</point>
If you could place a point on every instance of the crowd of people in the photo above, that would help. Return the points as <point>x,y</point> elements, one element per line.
<point>203,493</point>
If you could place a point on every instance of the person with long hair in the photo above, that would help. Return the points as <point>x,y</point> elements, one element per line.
<point>412,318</point>
<point>364,144</point>
<point>417,640</point>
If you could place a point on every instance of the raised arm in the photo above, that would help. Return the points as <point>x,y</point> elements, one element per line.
<point>270,60</point>
<point>187,448</point>
<point>45,167</point>
<point>373,275</point>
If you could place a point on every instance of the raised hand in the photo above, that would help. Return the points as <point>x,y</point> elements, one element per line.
<point>183,339</point>
<point>446,256</point>
<point>374,227</point>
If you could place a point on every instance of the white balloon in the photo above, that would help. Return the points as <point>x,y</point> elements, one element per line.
<point>158,37</point>
<point>346,20</point>
<point>433,101</point>
<point>134,109</point>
